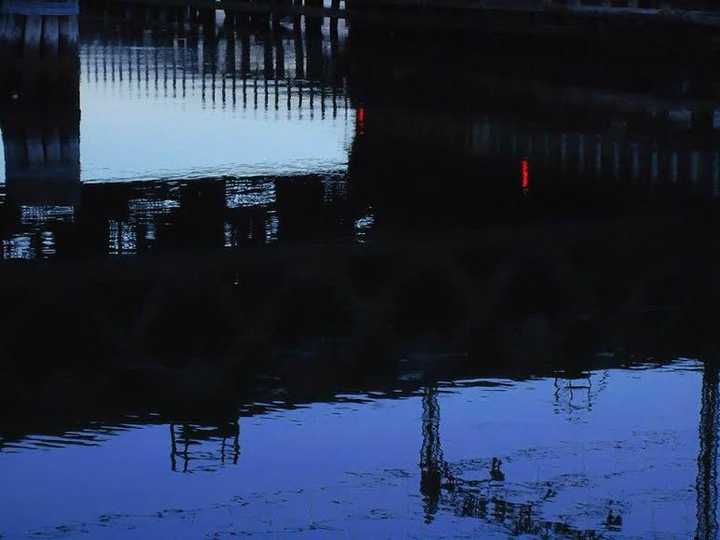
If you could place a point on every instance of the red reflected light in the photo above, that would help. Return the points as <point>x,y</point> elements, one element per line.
<point>361,120</point>
<point>525,174</point>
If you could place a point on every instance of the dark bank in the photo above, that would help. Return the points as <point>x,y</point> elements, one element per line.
<point>251,250</point>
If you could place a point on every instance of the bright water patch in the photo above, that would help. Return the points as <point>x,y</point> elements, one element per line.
<point>128,135</point>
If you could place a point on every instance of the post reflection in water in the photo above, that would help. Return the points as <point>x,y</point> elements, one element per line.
<point>522,479</point>
<point>622,149</point>
<point>707,489</point>
<point>450,235</point>
<point>434,471</point>
<point>480,499</point>
<point>185,436</point>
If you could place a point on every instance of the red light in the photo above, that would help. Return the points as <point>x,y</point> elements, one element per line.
<point>361,121</point>
<point>525,174</point>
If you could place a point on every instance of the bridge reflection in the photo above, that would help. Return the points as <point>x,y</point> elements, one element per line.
<point>230,59</point>
<point>470,145</point>
<point>190,443</point>
<point>442,489</point>
<point>485,492</point>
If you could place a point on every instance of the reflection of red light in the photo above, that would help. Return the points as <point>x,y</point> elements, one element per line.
<point>361,120</point>
<point>525,171</point>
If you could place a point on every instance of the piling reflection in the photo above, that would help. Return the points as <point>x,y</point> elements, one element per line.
<point>707,489</point>
<point>190,442</point>
<point>418,148</point>
<point>41,125</point>
<point>39,50</point>
<point>470,146</point>
<point>479,499</point>
<point>257,61</point>
<point>481,488</point>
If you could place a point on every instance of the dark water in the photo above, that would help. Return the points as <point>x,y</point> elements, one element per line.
<point>293,359</point>
<point>170,125</point>
<point>616,453</point>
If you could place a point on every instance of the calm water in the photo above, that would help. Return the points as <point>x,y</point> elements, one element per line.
<point>616,453</point>
<point>169,131</point>
<point>366,130</point>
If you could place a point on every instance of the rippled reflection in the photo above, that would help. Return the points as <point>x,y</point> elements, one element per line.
<point>399,362</point>
<point>169,95</point>
<point>495,458</point>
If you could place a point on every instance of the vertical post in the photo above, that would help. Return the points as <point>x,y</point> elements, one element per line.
<point>279,55</point>
<point>706,483</point>
<point>335,6</point>
<point>313,27</point>
<point>432,462</point>
<point>268,67</point>
<point>299,47</point>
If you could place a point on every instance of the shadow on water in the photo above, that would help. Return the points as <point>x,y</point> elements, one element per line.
<point>507,213</point>
<point>481,489</point>
<point>465,128</point>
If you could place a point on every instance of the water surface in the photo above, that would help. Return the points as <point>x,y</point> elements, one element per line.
<point>417,131</point>
<point>615,452</point>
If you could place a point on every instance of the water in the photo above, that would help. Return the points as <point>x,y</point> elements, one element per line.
<point>277,276</point>
<point>615,452</point>
<point>384,127</point>
<point>216,130</point>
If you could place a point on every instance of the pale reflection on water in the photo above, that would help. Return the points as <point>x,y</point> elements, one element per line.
<point>615,452</point>
<point>345,131</point>
<point>120,133</point>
